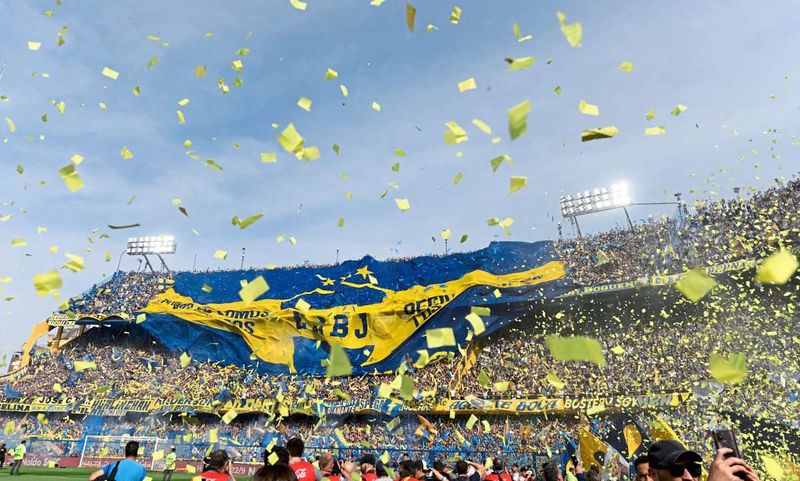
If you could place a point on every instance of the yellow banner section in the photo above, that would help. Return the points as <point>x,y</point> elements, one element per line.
<point>269,329</point>
<point>562,404</point>
<point>122,406</point>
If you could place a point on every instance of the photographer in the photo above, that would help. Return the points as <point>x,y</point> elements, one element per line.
<point>220,467</point>
<point>127,469</point>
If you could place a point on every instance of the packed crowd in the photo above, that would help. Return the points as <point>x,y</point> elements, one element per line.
<point>719,231</point>
<point>124,292</point>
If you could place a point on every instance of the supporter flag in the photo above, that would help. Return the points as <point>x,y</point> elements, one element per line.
<point>660,430</point>
<point>624,434</point>
<point>592,449</point>
<point>633,438</point>
<point>614,465</point>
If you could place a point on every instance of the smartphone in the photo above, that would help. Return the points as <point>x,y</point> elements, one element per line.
<point>726,438</point>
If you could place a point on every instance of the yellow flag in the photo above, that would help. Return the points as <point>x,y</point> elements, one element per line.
<point>592,449</point>
<point>660,430</point>
<point>411,15</point>
<point>633,438</point>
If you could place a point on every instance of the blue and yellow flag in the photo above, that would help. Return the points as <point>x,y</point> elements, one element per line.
<point>380,313</point>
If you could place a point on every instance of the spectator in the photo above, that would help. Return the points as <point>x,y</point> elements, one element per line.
<point>499,472</point>
<point>220,467</point>
<point>368,463</point>
<point>304,470</point>
<point>668,460</point>
<point>275,472</point>
<point>3,452</point>
<point>642,465</point>
<point>127,469</point>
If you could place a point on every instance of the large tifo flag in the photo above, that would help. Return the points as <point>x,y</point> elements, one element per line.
<point>380,312</point>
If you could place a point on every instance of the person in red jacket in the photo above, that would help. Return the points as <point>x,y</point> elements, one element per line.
<point>304,470</point>
<point>499,472</point>
<point>368,463</point>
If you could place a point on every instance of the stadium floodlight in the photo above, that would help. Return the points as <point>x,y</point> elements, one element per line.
<point>597,200</point>
<point>163,244</point>
<point>618,196</point>
<point>150,245</point>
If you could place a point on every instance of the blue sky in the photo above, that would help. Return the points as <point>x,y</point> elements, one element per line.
<point>731,63</point>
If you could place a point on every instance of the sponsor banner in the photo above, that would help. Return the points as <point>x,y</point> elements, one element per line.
<point>565,404</point>
<point>385,406</point>
<point>656,281</point>
<point>62,319</point>
<point>120,407</point>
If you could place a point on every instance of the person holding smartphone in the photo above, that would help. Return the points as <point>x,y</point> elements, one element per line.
<point>220,467</point>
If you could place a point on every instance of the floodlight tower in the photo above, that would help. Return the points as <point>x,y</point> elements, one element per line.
<point>151,245</point>
<point>617,196</point>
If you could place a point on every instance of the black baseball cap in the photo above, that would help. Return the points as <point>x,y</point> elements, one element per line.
<point>667,453</point>
<point>368,459</point>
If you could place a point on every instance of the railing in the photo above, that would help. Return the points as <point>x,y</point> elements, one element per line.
<point>254,453</point>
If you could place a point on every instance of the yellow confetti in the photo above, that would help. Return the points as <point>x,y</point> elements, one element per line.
<point>773,467</point>
<point>659,130</point>
<point>229,416</point>
<point>679,109</point>
<point>76,159</point>
<point>181,117</point>
<point>237,65</point>
<point>269,157</point>
<point>482,125</point>
<point>778,268</point>
<point>18,243</point>
<point>338,363</point>
<point>81,366</point>
<point>518,119</point>
<point>573,32</point>
<point>47,282</point>
<point>455,134</point>
<point>152,62</point>
<point>254,289</point>
<point>555,381</point>
<point>71,178</point>
<point>402,204</point>
<point>626,67</point>
<point>200,71</point>
<point>730,370</point>
<point>304,103</point>
<point>302,306</point>
<point>12,127</point>
<point>520,63</point>
<point>75,264</point>
<point>376,106</point>
<point>183,102</point>
<point>588,109</point>
<point>518,34</point>
<point>298,4</point>
<point>411,15</point>
<point>331,74</point>
<point>478,326</point>
<point>468,84</point>
<point>126,154</point>
<point>599,133</point>
<point>650,115</point>
<point>245,223</point>
<point>518,183</point>
<point>344,90</point>
<point>695,284</point>
<point>34,46</point>
<point>107,72</point>
<point>290,139</point>
<point>455,15</point>
<point>471,421</point>
<point>618,350</point>
<point>185,359</point>
<point>221,255</point>
<point>440,337</point>
<point>576,348</point>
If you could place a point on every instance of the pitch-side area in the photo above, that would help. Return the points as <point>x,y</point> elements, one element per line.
<point>53,474</point>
